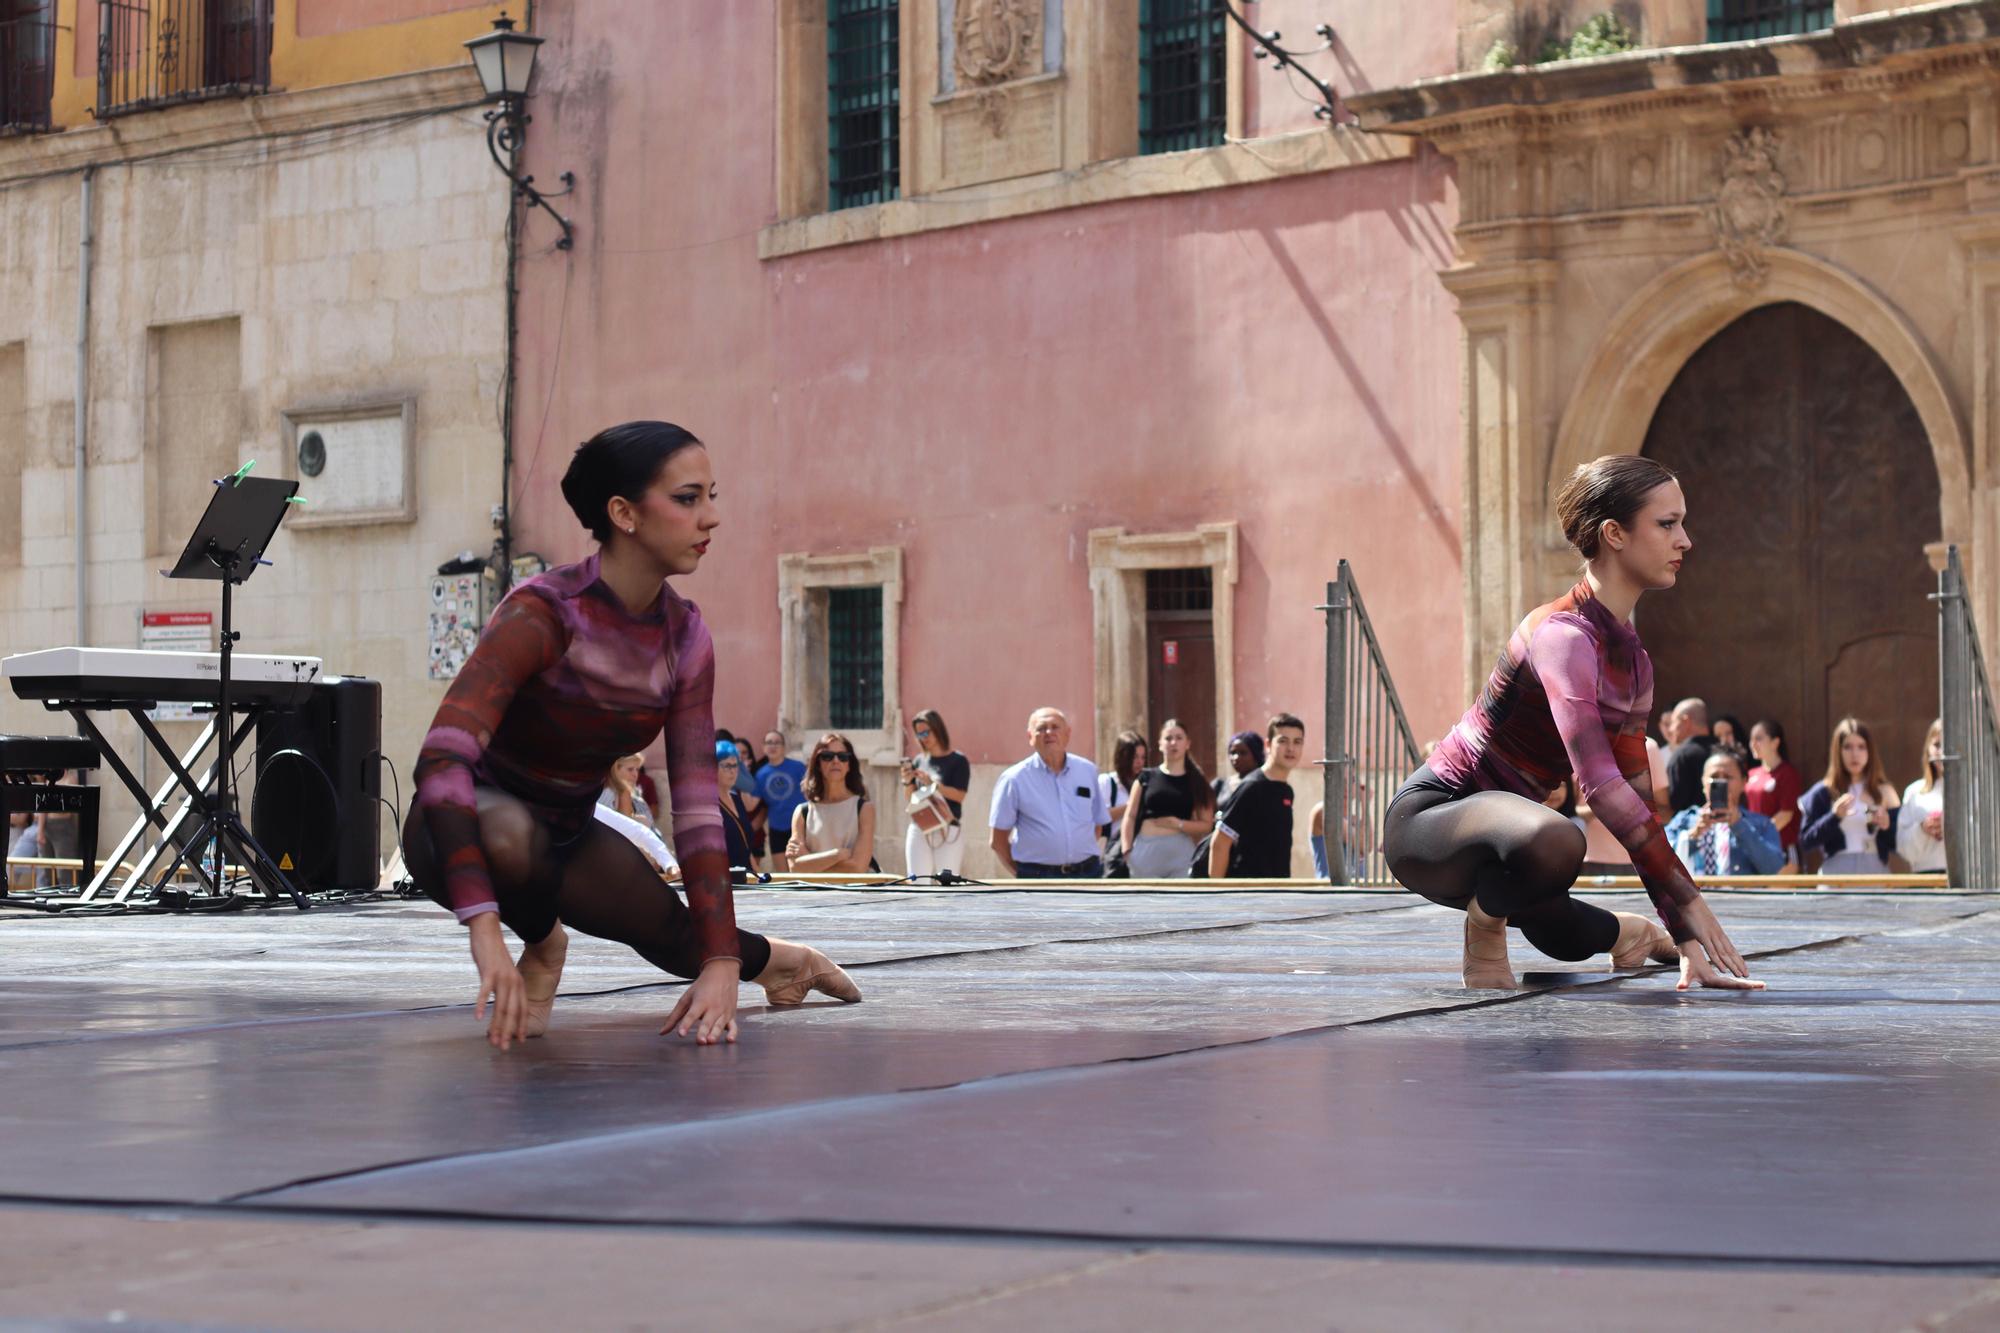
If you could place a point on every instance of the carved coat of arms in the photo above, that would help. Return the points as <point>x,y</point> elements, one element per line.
<point>997,40</point>
<point>1749,209</point>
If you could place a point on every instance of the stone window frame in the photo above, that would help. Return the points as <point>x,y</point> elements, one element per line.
<point>802,704</point>
<point>1099,87</point>
<point>1118,562</point>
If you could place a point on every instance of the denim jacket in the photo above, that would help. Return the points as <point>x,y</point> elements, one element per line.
<point>1754,845</point>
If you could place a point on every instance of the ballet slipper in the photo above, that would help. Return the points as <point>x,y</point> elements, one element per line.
<point>796,970</point>
<point>1486,965</point>
<point>541,968</point>
<point>1641,941</point>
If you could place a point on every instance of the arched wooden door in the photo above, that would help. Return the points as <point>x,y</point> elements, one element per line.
<point>1811,495</point>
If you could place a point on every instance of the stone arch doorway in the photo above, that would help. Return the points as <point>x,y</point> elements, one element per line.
<point>1812,492</point>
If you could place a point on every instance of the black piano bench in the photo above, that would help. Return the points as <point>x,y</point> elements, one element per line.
<point>29,767</point>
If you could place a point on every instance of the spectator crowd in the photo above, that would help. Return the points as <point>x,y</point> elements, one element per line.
<point>1153,814</point>
<point>1730,798</point>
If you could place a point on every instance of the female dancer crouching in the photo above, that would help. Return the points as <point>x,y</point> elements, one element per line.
<point>577,667</point>
<point>1570,696</point>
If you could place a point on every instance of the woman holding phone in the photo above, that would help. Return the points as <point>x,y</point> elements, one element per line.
<point>942,773</point>
<point>1721,836</point>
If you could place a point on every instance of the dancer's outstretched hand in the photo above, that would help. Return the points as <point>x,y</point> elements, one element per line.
<point>499,981</point>
<point>1709,959</point>
<point>708,1006</point>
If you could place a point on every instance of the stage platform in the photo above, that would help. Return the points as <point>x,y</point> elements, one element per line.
<point>1289,1088</point>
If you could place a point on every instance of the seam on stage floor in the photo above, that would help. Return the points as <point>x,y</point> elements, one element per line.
<point>174,1209</point>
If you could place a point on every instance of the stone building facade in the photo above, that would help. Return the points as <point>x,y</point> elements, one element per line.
<point>1772,264</point>
<point>329,249</point>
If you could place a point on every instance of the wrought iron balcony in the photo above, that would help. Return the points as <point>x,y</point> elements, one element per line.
<point>27,72</point>
<point>153,53</point>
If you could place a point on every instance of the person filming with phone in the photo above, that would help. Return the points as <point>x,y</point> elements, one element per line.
<point>1719,836</point>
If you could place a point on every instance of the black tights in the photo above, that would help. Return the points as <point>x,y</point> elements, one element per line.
<point>596,882</point>
<point>1518,858</point>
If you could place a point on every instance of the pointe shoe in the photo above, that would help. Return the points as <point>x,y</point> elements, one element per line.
<point>1486,965</point>
<point>814,971</point>
<point>1640,942</point>
<point>541,967</point>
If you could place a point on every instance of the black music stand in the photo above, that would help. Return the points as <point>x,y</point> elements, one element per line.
<point>227,546</point>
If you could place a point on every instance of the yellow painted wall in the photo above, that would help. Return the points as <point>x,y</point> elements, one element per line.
<point>297,62</point>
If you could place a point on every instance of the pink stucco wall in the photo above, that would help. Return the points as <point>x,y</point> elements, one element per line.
<point>1281,355</point>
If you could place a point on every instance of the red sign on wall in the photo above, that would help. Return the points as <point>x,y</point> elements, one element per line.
<point>1170,651</point>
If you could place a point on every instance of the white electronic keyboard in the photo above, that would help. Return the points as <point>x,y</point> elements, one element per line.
<point>123,676</point>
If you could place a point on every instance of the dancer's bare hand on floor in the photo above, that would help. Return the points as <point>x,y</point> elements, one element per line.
<point>499,981</point>
<point>1708,958</point>
<point>708,1006</point>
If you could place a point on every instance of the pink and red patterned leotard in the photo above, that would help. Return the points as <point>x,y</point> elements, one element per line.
<point>1570,696</point>
<point>565,680</point>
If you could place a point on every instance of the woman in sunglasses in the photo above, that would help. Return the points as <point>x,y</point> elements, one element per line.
<point>833,833</point>
<point>578,666</point>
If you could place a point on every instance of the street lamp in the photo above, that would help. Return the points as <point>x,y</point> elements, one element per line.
<point>505,60</point>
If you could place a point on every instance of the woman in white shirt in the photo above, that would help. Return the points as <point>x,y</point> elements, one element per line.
<point>1920,823</point>
<point>1128,756</point>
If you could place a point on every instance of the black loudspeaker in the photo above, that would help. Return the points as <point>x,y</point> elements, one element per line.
<point>319,786</point>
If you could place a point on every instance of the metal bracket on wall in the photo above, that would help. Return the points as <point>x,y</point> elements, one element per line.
<point>505,126</point>
<point>1287,60</point>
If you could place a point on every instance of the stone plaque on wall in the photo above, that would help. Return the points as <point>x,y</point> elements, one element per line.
<point>999,133</point>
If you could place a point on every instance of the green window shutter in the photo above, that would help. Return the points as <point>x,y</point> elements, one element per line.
<point>1743,20</point>
<point>1183,75</point>
<point>863,102</point>
<point>854,658</point>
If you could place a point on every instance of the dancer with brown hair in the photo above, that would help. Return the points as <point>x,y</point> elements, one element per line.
<point>1569,698</point>
<point>577,667</point>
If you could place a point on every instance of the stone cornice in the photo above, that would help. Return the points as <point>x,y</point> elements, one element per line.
<point>1867,56</point>
<point>229,120</point>
<point>1253,162</point>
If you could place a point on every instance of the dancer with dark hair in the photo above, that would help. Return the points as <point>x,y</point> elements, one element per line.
<point>578,666</point>
<point>1569,698</point>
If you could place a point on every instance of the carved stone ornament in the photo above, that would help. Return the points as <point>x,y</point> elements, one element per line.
<point>997,40</point>
<point>1749,209</point>
<point>993,107</point>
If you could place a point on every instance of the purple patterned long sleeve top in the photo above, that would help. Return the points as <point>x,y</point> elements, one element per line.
<point>1570,697</point>
<point>563,681</point>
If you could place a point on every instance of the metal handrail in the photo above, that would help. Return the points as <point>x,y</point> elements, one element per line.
<point>27,73</point>
<point>1369,745</point>
<point>1971,739</point>
<point>154,53</point>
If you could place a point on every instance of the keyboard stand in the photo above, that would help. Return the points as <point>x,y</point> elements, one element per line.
<point>173,831</point>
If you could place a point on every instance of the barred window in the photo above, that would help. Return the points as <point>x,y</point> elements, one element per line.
<point>1741,20</point>
<point>854,657</point>
<point>863,99</point>
<point>1183,74</point>
<point>27,64</point>
<point>1174,590</point>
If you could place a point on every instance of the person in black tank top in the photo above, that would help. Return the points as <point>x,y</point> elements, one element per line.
<point>1172,809</point>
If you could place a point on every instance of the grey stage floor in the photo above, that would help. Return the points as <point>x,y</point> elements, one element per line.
<point>1286,1071</point>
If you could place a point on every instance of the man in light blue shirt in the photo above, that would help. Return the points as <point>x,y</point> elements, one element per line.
<point>1048,808</point>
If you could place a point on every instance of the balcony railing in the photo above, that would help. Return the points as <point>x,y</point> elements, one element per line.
<point>27,72</point>
<point>153,53</point>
